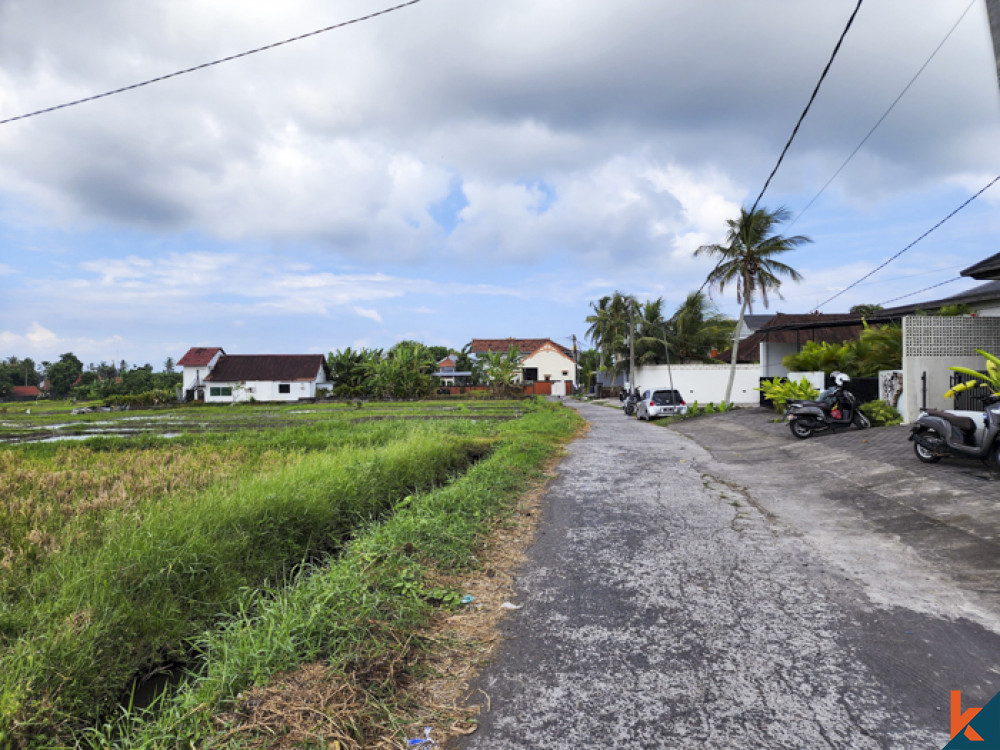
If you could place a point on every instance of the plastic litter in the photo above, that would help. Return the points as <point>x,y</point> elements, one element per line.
<point>423,742</point>
<point>509,605</point>
<point>468,599</point>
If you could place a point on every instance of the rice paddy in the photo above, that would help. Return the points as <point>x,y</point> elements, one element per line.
<point>223,546</point>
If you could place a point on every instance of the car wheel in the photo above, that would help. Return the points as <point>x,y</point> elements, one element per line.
<point>800,429</point>
<point>923,453</point>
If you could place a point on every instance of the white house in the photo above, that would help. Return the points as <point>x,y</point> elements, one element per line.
<point>217,377</point>
<point>542,360</point>
<point>196,364</point>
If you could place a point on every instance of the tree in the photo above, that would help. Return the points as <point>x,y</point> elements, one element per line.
<point>168,365</point>
<point>697,328</point>
<point>611,330</point>
<point>865,310</point>
<point>63,374</point>
<point>747,261</point>
<point>500,369</point>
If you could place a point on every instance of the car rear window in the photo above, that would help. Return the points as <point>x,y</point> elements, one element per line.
<point>665,398</point>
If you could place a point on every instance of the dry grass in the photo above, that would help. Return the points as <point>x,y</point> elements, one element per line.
<point>39,496</point>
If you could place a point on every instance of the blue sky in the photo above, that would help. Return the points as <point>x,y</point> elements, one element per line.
<point>462,169</point>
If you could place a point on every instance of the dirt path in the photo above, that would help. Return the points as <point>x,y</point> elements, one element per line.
<point>664,605</point>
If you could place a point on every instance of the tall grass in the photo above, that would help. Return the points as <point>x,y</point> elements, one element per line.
<point>360,611</point>
<point>93,619</point>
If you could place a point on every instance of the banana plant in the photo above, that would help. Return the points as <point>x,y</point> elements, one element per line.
<point>991,379</point>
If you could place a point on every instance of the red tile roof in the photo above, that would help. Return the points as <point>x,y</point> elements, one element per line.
<point>25,391</point>
<point>232,368</point>
<point>199,356</point>
<point>525,346</point>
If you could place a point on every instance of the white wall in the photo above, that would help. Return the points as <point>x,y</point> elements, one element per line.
<point>552,364</point>
<point>260,391</point>
<point>704,383</point>
<point>931,345</point>
<point>771,355</point>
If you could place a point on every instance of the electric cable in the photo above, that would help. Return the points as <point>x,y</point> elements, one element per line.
<point>209,64</point>
<point>926,288</point>
<point>798,124</point>
<point>812,98</point>
<point>884,114</point>
<point>891,259</point>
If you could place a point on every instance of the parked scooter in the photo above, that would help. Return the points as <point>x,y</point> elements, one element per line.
<point>941,433</point>
<point>835,407</point>
<point>630,403</point>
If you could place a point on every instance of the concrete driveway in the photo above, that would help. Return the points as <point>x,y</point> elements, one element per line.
<point>721,584</point>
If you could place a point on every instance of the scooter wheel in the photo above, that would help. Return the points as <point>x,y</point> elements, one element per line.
<point>994,459</point>
<point>800,429</point>
<point>928,457</point>
<point>861,421</point>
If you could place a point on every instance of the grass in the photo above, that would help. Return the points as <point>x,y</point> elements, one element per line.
<point>232,575</point>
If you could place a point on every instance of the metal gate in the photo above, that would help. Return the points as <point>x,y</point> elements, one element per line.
<point>972,399</point>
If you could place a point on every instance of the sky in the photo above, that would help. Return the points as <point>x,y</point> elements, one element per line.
<point>462,169</point>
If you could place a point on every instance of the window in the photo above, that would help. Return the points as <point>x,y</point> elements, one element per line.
<point>565,373</point>
<point>284,387</point>
<point>220,390</point>
<point>530,374</point>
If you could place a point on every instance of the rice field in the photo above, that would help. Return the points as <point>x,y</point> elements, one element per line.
<point>222,545</point>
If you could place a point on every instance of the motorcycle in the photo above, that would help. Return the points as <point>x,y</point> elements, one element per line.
<point>938,434</point>
<point>835,407</point>
<point>630,403</point>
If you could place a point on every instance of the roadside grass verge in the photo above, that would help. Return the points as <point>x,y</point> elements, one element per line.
<point>94,618</point>
<point>352,624</point>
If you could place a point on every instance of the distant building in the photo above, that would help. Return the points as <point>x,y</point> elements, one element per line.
<point>211,375</point>
<point>542,360</point>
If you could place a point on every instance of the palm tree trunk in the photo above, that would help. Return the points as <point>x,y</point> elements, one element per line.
<point>736,346</point>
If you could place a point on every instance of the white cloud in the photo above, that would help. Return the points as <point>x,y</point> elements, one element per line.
<point>368,313</point>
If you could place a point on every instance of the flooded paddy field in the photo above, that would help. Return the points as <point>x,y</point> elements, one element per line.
<point>29,425</point>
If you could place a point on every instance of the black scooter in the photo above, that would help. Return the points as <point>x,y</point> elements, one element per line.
<point>938,434</point>
<point>835,407</point>
<point>630,403</point>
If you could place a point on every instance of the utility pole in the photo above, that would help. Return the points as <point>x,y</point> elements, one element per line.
<point>993,12</point>
<point>631,345</point>
<point>666,351</point>
<point>576,364</point>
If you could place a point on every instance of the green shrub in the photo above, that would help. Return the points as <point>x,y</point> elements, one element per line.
<point>881,413</point>
<point>779,391</point>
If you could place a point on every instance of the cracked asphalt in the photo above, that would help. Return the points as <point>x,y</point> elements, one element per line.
<point>733,587</point>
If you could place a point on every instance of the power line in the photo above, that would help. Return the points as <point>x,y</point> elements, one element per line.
<point>798,124</point>
<point>209,64</point>
<point>926,288</point>
<point>884,114</point>
<point>890,260</point>
<point>808,105</point>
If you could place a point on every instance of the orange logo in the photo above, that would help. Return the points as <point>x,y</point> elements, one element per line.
<point>959,720</point>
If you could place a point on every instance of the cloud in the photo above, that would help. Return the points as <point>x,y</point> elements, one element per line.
<point>366,313</point>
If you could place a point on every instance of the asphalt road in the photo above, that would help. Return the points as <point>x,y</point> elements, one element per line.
<point>758,592</point>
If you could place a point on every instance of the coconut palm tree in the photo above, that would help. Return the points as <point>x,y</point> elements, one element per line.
<point>747,261</point>
<point>610,328</point>
<point>696,328</point>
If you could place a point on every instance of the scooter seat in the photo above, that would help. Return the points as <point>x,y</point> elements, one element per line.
<point>965,424</point>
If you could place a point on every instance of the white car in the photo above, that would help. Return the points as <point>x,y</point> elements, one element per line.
<point>660,402</point>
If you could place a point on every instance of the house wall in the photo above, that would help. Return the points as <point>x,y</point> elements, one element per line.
<point>551,365</point>
<point>991,311</point>
<point>261,390</point>
<point>703,383</point>
<point>195,376</point>
<point>771,355</point>
<point>931,345</point>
